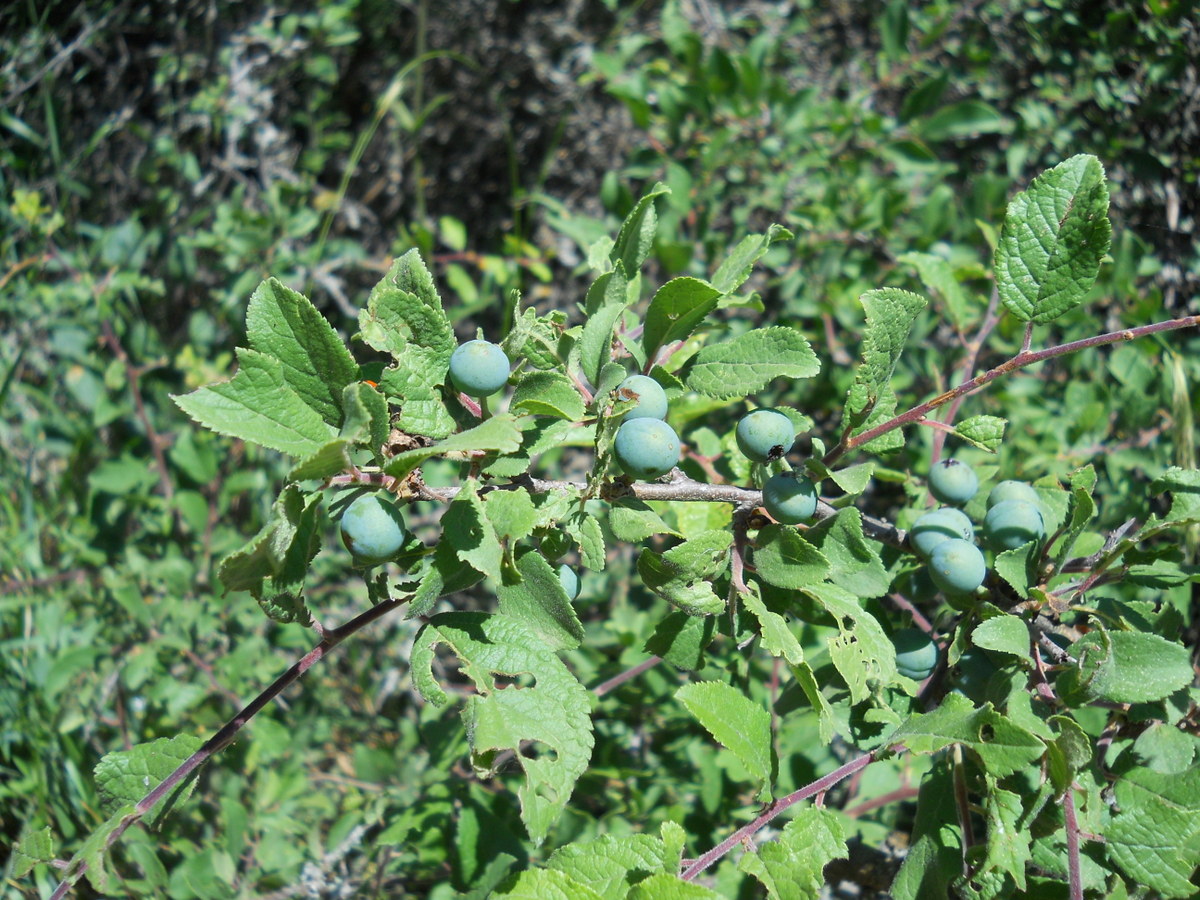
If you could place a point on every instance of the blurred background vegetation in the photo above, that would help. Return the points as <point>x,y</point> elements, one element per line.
<point>158,159</point>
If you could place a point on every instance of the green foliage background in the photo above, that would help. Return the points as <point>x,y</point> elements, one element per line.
<point>158,160</point>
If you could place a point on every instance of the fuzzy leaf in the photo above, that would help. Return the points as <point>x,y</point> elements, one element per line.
<point>126,776</point>
<point>682,574</point>
<point>1002,746</point>
<point>736,721</point>
<point>404,310</point>
<point>737,266</point>
<point>1054,236</point>
<point>636,236</point>
<point>785,559</point>
<point>539,602</point>
<point>33,848</point>
<point>499,433</point>
<point>610,864</point>
<point>1131,667</point>
<point>676,310</point>
<point>890,315</point>
<point>543,884</point>
<point>792,867</point>
<point>548,394</point>
<point>415,381</point>
<point>984,432</point>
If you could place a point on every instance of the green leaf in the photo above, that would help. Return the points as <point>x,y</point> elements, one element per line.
<point>890,315</point>
<point>984,432</point>
<point>785,559</point>
<point>404,310</point>
<point>807,679</point>
<point>854,561</point>
<point>934,857</point>
<point>854,479</point>
<point>415,381</point>
<point>861,651</point>
<point>792,867</point>
<point>636,236</point>
<point>610,864</point>
<point>595,344</point>
<point>1155,835</point>
<point>1184,485</point>
<point>737,266</point>
<point>1008,838</point>
<point>467,529</point>
<point>937,275</point>
<point>743,365</point>
<point>777,638</point>
<point>1003,747</point>
<point>33,848</point>
<point>1054,236</point>
<point>539,602</point>
<point>258,405</point>
<point>1067,754</point>
<point>736,721</point>
<point>585,530</point>
<point>499,433</point>
<point>967,118</point>
<point>675,311</point>
<point>315,362</point>
<point>126,776</point>
<point>543,884</point>
<point>681,640</point>
<point>548,394</point>
<point>662,886</point>
<point>444,574</point>
<point>1131,667</point>
<point>553,711</point>
<point>1003,634</point>
<point>632,521</point>
<point>1017,567</point>
<point>682,574</point>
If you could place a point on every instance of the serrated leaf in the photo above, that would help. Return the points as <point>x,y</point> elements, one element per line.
<point>854,561</point>
<point>585,530</point>
<point>404,312</point>
<point>258,405</point>
<point>861,651</point>
<point>734,720</point>
<point>443,574</point>
<point>854,479</point>
<point>315,363</point>
<point>883,411</point>
<point>610,864</point>
<point>663,886</point>
<point>1067,754</point>
<point>1155,835</point>
<point>543,884</point>
<point>512,513</point>
<point>777,638</point>
<point>415,382</point>
<point>1184,486</point>
<point>548,394</point>
<point>33,848</point>
<point>807,679</point>
<point>984,432</point>
<point>595,343</point>
<point>126,776</point>
<point>636,236</point>
<point>890,313</point>
<point>1017,567</point>
<point>499,433</point>
<point>1131,667</point>
<point>792,867</point>
<point>1008,837</point>
<point>743,365</point>
<point>1002,746</point>
<point>467,529</point>
<point>554,711</point>
<point>934,857</point>
<point>676,310</point>
<point>737,266</point>
<point>681,640</point>
<point>281,548</point>
<point>633,521</point>
<point>539,602</point>
<point>1054,236</point>
<point>682,575</point>
<point>937,275</point>
<point>785,559</point>
<point>1003,634</point>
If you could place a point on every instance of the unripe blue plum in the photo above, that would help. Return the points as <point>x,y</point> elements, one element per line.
<point>1011,523</point>
<point>569,579</point>
<point>916,653</point>
<point>1012,490</point>
<point>953,482</point>
<point>479,368</point>
<point>790,498</point>
<point>651,398</point>
<point>939,525</point>
<point>373,529</point>
<point>646,448</point>
<point>765,435</point>
<point>957,566</point>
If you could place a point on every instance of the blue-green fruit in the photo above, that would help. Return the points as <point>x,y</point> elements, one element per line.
<point>939,525</point>
<point>1012,490</point>
<point>953,482</point>
<point>569,579</point>
<point>790,498</point>
<point>478,368</point>
<point>373,529</point>
<point>957,566</point>
<point>1012,523</point>
<point>916,653</point>
<point>765,435</point>
<point>651,398</point>
<point>646,448</point>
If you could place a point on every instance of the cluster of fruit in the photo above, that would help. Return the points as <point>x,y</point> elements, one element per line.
<point>945,537</point>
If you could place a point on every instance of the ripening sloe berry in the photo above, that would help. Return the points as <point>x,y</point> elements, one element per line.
<point>372,529</point>
<point>1012,523</point>
<point>651,398</point>
<point>569,579</point>
<point>916,653</point>
<point>1012,490</point>
<point>646,448</point>
<point>765,435</point>
<point>939,525</point>
<point>953,482</point>
<point>790,498</point>
<point>957,566</point>
<point>479,368</point>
